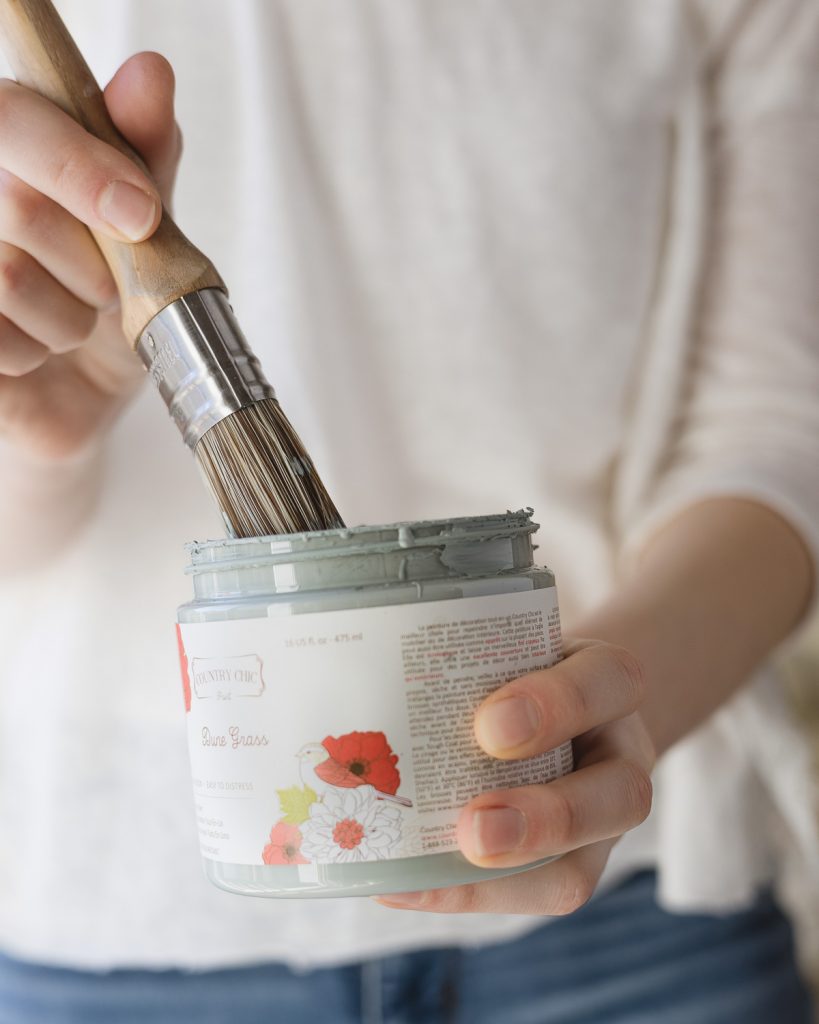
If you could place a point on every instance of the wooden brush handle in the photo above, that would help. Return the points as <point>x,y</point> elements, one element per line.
<point>44,57</point>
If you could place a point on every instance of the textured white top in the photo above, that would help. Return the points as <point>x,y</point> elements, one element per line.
<point>491,254</point>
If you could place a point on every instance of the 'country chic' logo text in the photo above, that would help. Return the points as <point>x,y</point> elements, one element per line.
<point>227,678</point>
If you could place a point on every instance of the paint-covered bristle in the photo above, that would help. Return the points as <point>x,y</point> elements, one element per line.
<point>262,477</point>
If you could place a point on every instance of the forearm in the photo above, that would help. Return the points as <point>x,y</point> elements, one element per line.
<point>43,503</point>
<point>712,594</point>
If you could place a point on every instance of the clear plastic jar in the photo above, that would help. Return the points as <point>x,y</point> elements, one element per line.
<point>330,682</point>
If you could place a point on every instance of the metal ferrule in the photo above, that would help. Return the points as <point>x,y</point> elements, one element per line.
<point>201,362</point>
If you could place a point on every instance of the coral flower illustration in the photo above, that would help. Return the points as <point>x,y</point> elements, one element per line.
<point>351,825</point>
<point>284,846</point>
<point>352,760</point>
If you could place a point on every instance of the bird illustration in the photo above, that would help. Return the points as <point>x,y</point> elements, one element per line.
<point>352,760</point>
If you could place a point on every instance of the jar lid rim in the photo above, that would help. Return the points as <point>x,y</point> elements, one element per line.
<point>242,551</point>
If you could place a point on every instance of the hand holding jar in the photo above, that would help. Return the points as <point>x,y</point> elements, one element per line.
<point>591,697</point>
<point>691,578</point>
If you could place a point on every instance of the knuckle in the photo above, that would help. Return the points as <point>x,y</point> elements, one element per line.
<point>463,899</point>
<point>433,900</point>
<point>69,168</point>
<point>574,697</point>
<point>15,268</point>
<point>460,899</point>
<point>639,791</point>
<point>562,821</point>
<point>20,207</point>
<point>574,891</point>
<point>106,291</point>
<point>633,674</point>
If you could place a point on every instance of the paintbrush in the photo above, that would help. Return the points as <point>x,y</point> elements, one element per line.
<point>177,318</point>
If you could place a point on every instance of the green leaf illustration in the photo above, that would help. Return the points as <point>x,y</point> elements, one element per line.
<point>295,802</point>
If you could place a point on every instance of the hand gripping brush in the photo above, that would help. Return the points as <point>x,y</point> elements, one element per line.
<point>176,316</point>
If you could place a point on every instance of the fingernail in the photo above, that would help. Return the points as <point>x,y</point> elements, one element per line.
<point>497,830</point>
<point>127,209</point>
<point>508,723</point>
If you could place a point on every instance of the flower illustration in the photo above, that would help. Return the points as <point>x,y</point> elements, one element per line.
<point>368,757</point>
<point>350,825</point>
<point>284,846</point>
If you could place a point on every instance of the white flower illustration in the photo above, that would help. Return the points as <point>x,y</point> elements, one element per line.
<point>350,825</point>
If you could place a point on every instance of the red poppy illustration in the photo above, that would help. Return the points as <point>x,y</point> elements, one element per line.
<point>360,759</point>
<point>183,665</point>
<point>284,846</point>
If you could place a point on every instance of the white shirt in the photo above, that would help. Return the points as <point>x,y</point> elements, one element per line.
<point>491,254</point>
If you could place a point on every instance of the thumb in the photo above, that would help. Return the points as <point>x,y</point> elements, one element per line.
<point>140,101</point>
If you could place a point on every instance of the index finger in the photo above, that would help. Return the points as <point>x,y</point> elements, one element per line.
<point>47,149</point>
<point>599,683</point>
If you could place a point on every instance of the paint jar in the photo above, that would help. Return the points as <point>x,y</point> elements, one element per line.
<point>330,684</point>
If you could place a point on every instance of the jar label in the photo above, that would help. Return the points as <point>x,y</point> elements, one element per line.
<point>346,736</point>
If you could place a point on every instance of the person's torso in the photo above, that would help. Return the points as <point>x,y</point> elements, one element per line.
<point>444,230</point>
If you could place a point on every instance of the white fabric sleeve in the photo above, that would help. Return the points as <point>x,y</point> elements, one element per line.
<point>748,423</point>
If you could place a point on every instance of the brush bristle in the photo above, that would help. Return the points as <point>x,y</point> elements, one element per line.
<point>261,475</point>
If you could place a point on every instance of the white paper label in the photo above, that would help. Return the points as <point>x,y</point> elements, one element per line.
<point>346,736</point>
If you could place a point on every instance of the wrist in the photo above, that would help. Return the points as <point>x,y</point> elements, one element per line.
<point>712,595</point>
<point>45,501</point>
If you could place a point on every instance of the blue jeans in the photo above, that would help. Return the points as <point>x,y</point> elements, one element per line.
<point>619,960</point>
